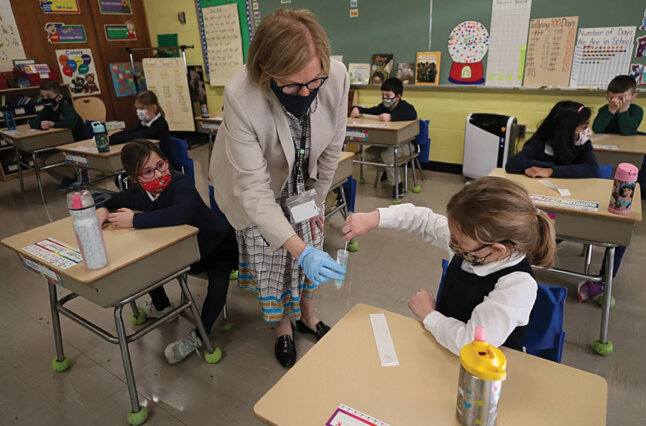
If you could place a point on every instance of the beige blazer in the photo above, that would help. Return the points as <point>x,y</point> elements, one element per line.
<point>254,152</point>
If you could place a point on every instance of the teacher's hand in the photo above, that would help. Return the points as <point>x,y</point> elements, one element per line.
<point>317,222</point>
<point>319,266</point>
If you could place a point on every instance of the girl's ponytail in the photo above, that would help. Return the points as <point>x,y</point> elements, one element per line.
<point>543,253</point>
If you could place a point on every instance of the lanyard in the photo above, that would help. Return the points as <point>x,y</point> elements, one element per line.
<point>299,176</point>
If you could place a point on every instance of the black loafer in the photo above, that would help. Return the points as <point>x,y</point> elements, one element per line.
<point>285,350</point>
<point>321,329</point>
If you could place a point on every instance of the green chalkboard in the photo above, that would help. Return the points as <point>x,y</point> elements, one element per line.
<point>401,27</point>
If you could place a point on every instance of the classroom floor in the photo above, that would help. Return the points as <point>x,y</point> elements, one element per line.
<point>388,268</point>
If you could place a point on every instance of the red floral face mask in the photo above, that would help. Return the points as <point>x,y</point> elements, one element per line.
<point>156,185</point>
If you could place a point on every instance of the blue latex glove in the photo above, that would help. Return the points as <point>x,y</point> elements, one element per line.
<point>319,266</point>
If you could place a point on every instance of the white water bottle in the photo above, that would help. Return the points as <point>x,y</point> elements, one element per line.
<point>87,229</point>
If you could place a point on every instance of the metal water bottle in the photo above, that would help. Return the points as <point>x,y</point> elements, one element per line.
<point>623,188</point>
<point>100,137</point>
<point>9,120</point>
<point>87,229</point>
<point>483,368</point>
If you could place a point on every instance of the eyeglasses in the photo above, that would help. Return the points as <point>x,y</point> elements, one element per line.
<point>294,88</point>
<point>149,172</point>
<point>470,255</point>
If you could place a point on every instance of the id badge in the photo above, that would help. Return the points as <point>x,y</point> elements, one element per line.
<point>303,207</point>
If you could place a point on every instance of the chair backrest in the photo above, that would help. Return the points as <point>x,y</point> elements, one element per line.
<point>423,141</point>
<point>178,156</point>
<point>545,336</point>
<point>90,108</point>
<point>605,172</point>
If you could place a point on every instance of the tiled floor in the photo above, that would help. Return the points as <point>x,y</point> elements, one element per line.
<point>388,268</point>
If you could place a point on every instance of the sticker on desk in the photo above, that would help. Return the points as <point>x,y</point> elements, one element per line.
<point>385,346</point>
<point>356,135</point>
<point>92,149</point>
<point>600,146</point>
<point>210,126</point>
<point>546,200</point>
<point>563,192</point>
<point>375,125</point>
<point>347,416</point>
<point>596,137</point>
<point>78,159</point>
<point>55,253</point>
<point>42,270</point>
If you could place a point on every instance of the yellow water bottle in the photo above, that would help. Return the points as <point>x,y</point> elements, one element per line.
<point>483,368</point>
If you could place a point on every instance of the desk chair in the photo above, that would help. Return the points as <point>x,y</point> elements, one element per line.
<point>178,156</point>
<point>90,108</point>
<point>422,146</point>
<point>545,337</point>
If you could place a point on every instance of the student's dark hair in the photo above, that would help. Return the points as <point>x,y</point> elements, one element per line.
<point>51,85</point>
<point>557,129</point>
<point>622,83</point>
<point>394,85</point>
<point>134,155</point>
<point>148,98</point>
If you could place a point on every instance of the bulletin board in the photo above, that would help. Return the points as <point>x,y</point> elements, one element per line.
<point>402,27</point>
<point>244,15</point>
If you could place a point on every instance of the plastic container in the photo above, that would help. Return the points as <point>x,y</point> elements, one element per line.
<point>483,368</point>
<point>204,108</point>
<point>87,229</point>
<point>623,188</point>
<point>342,257</point>
<point>9,121</point>
<point>100,136</point>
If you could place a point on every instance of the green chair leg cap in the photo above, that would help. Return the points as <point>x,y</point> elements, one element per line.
<point>139,318</point>
<point>234,275</point>
<point>602,348</point>
<point>361,180</point>
<point>397,201</point>
<point>353,246</point>
<point>417,189</point>
<point>227,326</point>
<point>601,300</point>
<point>213,357</point>
<point>60,366</point>
<point>138,418</point>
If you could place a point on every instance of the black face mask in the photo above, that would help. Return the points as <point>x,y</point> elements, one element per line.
<point>50,102</point>
<point>297,105</point>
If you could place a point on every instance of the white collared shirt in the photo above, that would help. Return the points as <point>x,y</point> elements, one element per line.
<point>506,307</point>
<point>152,195</point>
<point>151,121</point>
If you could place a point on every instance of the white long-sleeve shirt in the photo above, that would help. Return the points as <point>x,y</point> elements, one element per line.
<point>506,307</point>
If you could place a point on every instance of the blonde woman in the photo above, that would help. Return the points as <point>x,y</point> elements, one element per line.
<point>272,165</point>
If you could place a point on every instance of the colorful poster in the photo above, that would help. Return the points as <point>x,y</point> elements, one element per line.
<point>78,70</point>
<point>382,65</point>
<point>600,55</point>
<point>549,51</point>
<point>115,7</point>
<point>167,78</point>
<point>427,68</point>
<point>223,41</point>
<point>123,81</point>
<point>60,6</point>
<point>508,42</point>
<point>120,32</point>
<point>10,43</point>
<point>58,32</point>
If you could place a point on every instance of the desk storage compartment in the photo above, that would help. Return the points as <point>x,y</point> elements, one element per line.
<point>593,228</point>
<point>45,140</point>
<point>343,171</point>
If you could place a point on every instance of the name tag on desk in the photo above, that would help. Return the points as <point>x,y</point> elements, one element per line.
<point>356,135</point>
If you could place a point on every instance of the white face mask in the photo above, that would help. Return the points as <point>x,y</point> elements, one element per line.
<point>584,136</point>
<point>143,115</point>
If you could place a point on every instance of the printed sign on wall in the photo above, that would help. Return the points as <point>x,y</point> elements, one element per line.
<point>10,43</point>
<point>60,6</point>
<point>77,68</point>
<point>120,32</point>
<point>115,7</point>
<point>58,32</point>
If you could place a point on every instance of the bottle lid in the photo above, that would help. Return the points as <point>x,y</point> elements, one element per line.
<point>79,200</point>
<point>483,360</point>
<point>98,127</point>
<point>626,172</point>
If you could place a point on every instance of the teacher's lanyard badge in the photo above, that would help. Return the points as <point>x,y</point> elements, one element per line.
<point>302,206</point>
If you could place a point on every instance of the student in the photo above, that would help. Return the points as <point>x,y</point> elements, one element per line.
<point>152,124</point>
<point>167,198</point>
<point>561,146</point>
<point>392,108</point>
<point>620,115</point>
<point>58,113</point>
<point>494,233</point>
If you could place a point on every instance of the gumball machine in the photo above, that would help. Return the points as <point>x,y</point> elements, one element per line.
<point>468,43</point>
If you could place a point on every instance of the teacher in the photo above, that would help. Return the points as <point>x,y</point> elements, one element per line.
<point>272,165</point>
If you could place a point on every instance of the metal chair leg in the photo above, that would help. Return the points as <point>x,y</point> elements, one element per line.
<point>587,249</point>
<point>419,166</point>
<point>40,184</point>
<point>412,163</point>
<point>127,362</point>
<point>18,161</point>
<point>196,315</point>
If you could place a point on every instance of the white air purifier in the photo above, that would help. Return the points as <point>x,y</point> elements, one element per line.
<point>488,142</point>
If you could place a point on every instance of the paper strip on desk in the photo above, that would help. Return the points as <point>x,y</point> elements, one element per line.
<point>384,342</point>
<point>599,146</point>
<point>564,192</point>
<point>348,416</point>
<point>55,252</point>
<point>43,271</point>
<point>546,200</point>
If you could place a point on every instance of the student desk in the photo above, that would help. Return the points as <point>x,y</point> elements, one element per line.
<point>344,368</point>
<point>612,149</point>
<point>365,131</point>
<point>209,126</point>
<point>33,142</point>
<point>140,260</point>
<point>85,155</point>
<point>600,228</point>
